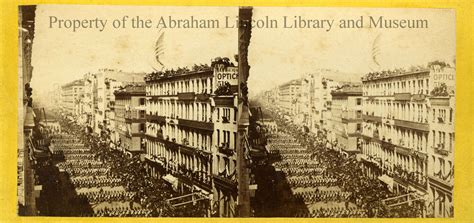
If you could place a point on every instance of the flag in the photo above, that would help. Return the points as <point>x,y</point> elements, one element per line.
<point>159,47</point>
<point>376,50</point>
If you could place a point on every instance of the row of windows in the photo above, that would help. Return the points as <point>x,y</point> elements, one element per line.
<point>416,112</point>
<point>418,86</point>
<point>199,85</point>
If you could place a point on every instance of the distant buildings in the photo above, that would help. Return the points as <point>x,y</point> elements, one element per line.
<point>91,101</point>
<point>72,95</point>
<point>288,96</point>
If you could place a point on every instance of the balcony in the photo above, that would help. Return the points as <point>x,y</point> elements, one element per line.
<point>204,153</point>
<point>402,96</point>
<point>225,149</point>
<point>440,149</point>
<point>185,148</point>
<point>419,97</point>
<point>202,97</point>
<point>412,125</point>
<point>439,101</point>
<point>155,118</point>
<point>208,126</point>
<point>227,182</point>
<point>227,101</point>
<point>442,182</point>
<point>188,96</point>
<point>372,118</point>
<point>202,180</point>
<point>387,144</point>
<point>403,150</point>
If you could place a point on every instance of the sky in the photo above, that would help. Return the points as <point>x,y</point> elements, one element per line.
<point>61,55</point>
<point>279,55</point>
<point>276,55</point>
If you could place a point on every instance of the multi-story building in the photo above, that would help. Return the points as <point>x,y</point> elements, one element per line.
<point>396,127</point>
<point>191,131</point>
<point>26,178</point>
<point>88,102</point>
<point>441,138</point>
<point>406,131</point>
<point>72,95</point>
<point>130,118</point>
<point>105,82</point>
<point>320,94</point>
<point>288,95</point>
<point>346,120</point>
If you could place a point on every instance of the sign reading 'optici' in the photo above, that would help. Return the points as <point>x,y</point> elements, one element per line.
<point>445,75</point>
<point>223,75</point>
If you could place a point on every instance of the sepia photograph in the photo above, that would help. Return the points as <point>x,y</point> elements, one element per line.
<point>231,112</point>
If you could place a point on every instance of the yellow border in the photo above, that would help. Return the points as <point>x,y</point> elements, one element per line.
<point>463,193</point>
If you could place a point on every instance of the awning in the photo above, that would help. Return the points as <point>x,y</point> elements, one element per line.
<point>387,180</point>
<point>172,180</point>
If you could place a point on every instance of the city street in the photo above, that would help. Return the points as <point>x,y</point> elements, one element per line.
<point>87,178</point>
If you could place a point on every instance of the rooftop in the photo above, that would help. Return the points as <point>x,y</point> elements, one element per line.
<point>185,71</point>
<point>79,82</point>
<point>404,72</point>
<point>355,89</point>
<point>137,89</point>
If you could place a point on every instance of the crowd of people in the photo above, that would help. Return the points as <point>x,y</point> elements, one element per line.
<point>96,182</point>
<point>311,181</point>
<point>336,212</point>
<point>120,212</point>
<point>94,197</point>
<point>307,176</point>
<point>321,195</point>
<point>148,193</point>
<point>89,176</point>
<point>365,192</point>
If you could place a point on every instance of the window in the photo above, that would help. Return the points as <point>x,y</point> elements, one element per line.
<point>226,115</point>
<point>451,115</point>
<point>359,101</point>
<point>235,140</point>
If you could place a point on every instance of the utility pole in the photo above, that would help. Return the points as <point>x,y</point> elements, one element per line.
<point>244,34</point>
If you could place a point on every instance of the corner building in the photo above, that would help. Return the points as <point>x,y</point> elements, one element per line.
<point>191,130</point>
<point>408,133</point>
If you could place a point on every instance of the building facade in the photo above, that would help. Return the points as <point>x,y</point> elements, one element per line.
<point>26,176</point>
<point>129,118</point>
<point>408,133</point>
<point>346,119</point>
<point>191,131</point>
<point>105,82</point>
<point>288,96</point>
<point>72,95</point>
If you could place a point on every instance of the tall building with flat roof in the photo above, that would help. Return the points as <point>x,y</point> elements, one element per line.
<point>408,132</point>
<point>288,95</point>
<point>129,117</point>
<point>72,95</point>
<point>346,120</point>
<point>191,131</point>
